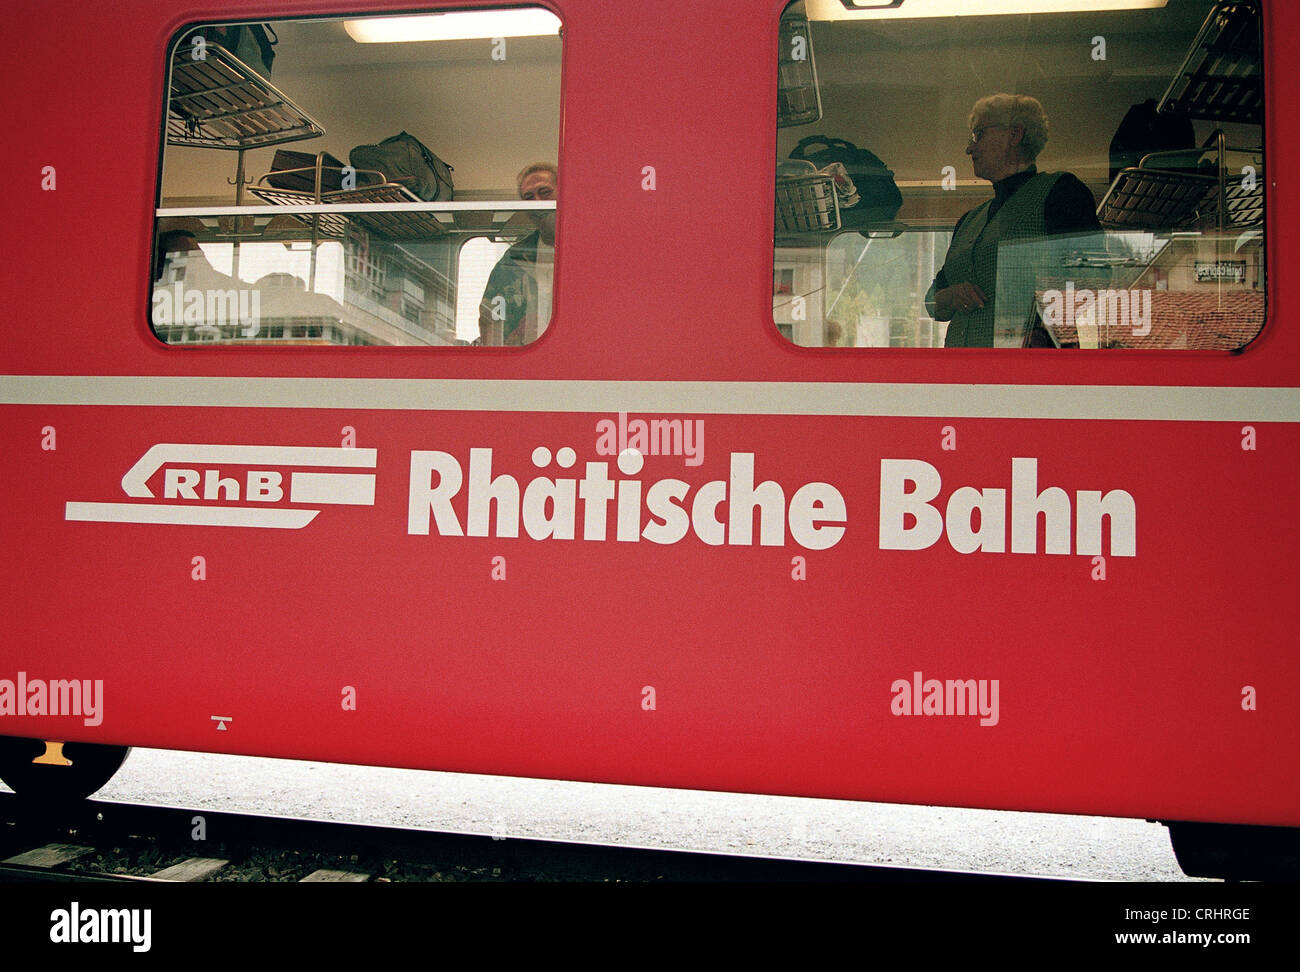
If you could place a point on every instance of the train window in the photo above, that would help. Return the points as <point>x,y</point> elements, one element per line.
<point>380,181</point>
<point>1089,177</point>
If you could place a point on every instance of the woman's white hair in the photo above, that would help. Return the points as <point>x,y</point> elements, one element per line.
<point>1014,110</point>
<point>528,170</point>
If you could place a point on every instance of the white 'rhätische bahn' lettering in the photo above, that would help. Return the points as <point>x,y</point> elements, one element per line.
<point>723,511</point>
<point>549,506</point>
<point>897,502</point>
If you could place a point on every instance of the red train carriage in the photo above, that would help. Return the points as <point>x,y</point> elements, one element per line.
<point>485,450</point>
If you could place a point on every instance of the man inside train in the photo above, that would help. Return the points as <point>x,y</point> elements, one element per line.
<point>516,305</point>
<point>971,292</point>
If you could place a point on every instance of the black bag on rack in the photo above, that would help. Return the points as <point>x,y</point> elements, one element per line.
<point>404,159</point>
<point>879,200</point>
<point>1145,130</point>
<point>301,176</point>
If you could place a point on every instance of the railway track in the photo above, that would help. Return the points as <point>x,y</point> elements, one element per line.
<point>116,842</point>
<point>96,873</point>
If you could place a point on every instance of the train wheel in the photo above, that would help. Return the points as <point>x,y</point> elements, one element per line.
<point>1236,852</point>
<point>57,772</point>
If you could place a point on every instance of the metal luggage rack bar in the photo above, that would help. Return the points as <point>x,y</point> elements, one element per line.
<point>252,225</point>
<point>1220,77</point>
<point>221,102</point>
<point>401,220</point>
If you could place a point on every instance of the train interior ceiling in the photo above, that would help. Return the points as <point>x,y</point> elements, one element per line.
<point>899,86</point>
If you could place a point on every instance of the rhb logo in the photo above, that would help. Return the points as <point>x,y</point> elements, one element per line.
<point>237,486</point>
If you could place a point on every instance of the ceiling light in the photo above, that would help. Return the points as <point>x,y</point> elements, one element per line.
<point>914,9</point>
<point>460,25</point>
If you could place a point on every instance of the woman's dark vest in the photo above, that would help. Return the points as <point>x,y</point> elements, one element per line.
<point>973,256</point>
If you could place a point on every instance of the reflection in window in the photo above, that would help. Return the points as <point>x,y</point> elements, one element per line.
<point>478,257</point>
<point>900,224</point>
<point>265,121</point>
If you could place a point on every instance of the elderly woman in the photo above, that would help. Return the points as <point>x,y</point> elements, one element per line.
<point>1007,133</point>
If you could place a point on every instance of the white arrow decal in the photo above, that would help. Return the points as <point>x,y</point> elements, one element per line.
<point>134,483</point>
<point>226,516</point>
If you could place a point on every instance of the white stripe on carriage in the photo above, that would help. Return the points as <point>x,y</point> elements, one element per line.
<point>1158,403</point>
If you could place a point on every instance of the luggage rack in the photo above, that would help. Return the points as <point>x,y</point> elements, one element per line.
<point>806,202</point>
<point>1220,77</point>
<point>220,102</point>
<point>392,225</point>
<point>405,221</point>
<point>405,217</point>
<point>1156,198</point>
<point>808,208</point>
<point>1219,80</point>
<point>1159,193</point>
